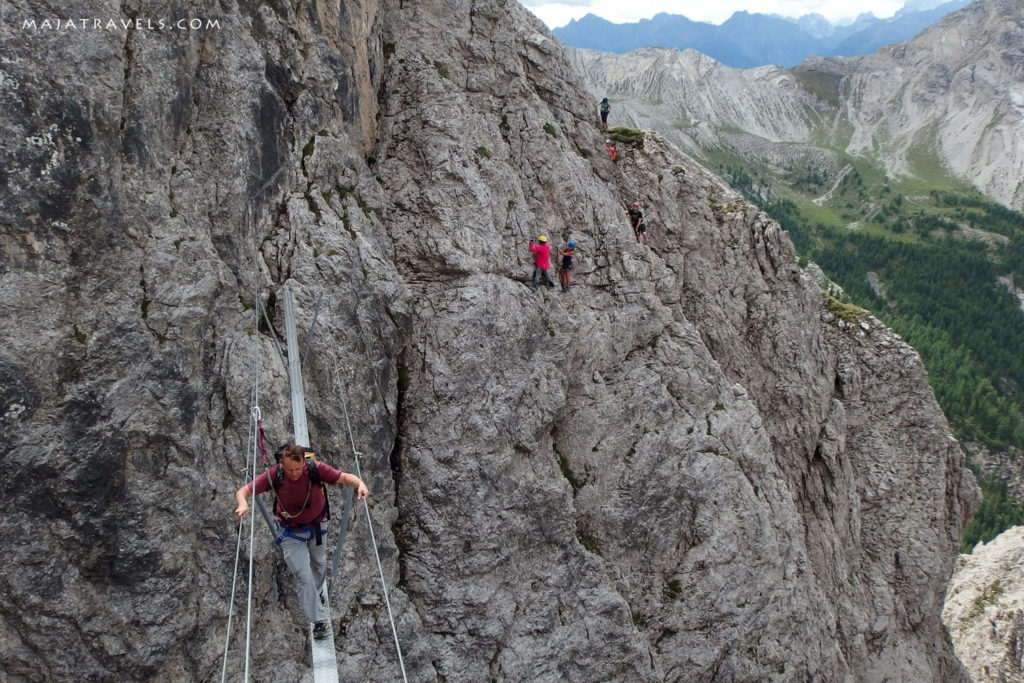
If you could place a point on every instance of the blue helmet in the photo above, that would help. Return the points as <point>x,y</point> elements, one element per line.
<point>572,243</point>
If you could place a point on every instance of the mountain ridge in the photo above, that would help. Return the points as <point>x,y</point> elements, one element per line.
<point>694,465</point>
<point>956,92</point>
<point>749,39</point>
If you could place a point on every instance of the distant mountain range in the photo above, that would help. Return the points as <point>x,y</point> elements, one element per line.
<point>754,39</point>
<point>949,102</point>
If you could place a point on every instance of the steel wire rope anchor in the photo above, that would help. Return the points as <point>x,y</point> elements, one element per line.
<point>254,422</point>
<point>255,427</point>
<point>255,433</point>
<point>258,428</point>
<point>234,578</point>
<point>260,503</point>
<point>369,525</point>
<point>231,608</point>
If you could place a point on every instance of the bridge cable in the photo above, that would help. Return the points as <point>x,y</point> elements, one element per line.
<point>369,525</point>
<point>253,434</point>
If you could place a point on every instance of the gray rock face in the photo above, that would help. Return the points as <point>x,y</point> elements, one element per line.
<point>983,609</point>
<point>951,100</point>
<point>686,468</point>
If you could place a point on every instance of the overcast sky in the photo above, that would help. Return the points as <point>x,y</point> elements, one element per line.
<point>557,14</point>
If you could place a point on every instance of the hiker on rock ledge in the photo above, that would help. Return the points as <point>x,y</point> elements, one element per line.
<point>636,219</point>
<point>542,260</point>
<point>604,106</point>
<point>565,271</point>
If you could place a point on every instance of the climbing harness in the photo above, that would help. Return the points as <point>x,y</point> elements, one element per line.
<point>313,475</point>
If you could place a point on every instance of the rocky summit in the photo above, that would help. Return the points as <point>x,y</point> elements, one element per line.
<point>692,466</point>
<point>983,609</point>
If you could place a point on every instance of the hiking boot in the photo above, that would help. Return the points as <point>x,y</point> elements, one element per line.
<point>320,629</point>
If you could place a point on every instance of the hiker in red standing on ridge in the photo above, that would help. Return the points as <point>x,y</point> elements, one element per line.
<point>542,260</point>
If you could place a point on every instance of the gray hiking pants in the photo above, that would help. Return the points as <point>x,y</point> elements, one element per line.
<point>537,272</point>
<point>308,564</point>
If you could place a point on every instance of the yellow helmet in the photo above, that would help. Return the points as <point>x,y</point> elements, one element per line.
<point>542,238</point>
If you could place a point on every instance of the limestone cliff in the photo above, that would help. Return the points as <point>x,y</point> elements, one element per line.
<point>688,468</point>
<point>950,100</point>
<point>984,612</point>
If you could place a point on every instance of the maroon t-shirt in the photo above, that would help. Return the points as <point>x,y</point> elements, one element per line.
<point>293,494</point>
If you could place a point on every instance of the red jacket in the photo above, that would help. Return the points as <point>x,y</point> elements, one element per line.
<point>543,251</point>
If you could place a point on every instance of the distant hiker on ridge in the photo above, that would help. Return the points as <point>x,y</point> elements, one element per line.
<point>604,106</point>
<point>542,260</point>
